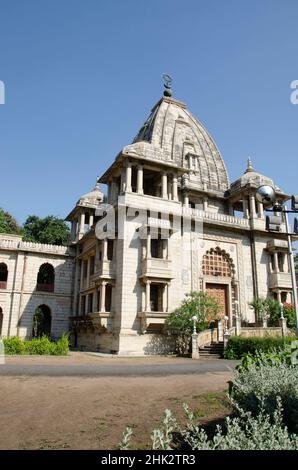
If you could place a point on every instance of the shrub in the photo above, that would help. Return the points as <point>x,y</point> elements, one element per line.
<point>62,346</point>
<point>238,346</point>
<point>13,345</point>
<point>36,346</point>
<point>261,385</point>
<point>245,432</point>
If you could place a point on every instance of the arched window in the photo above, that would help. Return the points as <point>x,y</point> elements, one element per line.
<point>1,321</point>
<point>3,275</point>
<point>217,262</point>
<point>46,278</point>
<point>42,322</point>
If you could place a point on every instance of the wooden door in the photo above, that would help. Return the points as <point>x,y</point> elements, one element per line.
<point>220,293</point>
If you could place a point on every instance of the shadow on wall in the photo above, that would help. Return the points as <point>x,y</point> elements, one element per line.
<point>160,344</point>
<point>52,292</point>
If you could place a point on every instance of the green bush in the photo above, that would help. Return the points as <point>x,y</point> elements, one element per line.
<point>14,345</point>
<point>36,346</point>
<point>238,346</point>
<point>261,385</point>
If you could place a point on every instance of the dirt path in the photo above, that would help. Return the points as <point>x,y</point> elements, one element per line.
<point>91,413</point>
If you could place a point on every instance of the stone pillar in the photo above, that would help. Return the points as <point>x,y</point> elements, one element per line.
<point>175,188</point>
<point>205,204</point>
<point>128,177</point>
<point>164,185</point>
<point>185,199</point>
<point>238,325</point>
<point>82,223</point>
<point>165,298</point>
<point>82,275</point>
<point>76,288</point>
<point>88,272</point>
<point>103,296</point>
<point>140,180</point>
<point>94,301</point>
<point>245,208</point>
<point>91,220</point>
<point>260,210</point>
<point>165,249</point>
<point>122,183</point>
<point>148,245</point>
<point>195,354</point>
<point>148,307</point>
<point>252,204</point>
<point>73,230</point>
<point>283,325</point>
<point>231,210</point>
<point>96,264</point>
<point>105,249</point>
<point>276,267</point>
<point>279,296</point>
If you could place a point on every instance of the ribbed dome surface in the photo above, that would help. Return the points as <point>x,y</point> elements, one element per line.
<point>172,134</point>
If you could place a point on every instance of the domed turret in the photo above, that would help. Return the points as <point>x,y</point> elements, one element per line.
<point>252,179</point>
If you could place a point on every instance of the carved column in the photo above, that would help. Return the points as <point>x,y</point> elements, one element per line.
<point>164,185</point>
<point>185,199</point>
<point>148,307</point>
<point>140,180</point>
<point>105,249</point>
<point>128,176</point>
<point>252,203</point>
<point>148,245</point>
<point>103,296</point>
<point>276,267</point>
<point>175,188</point>
<point>91,220</point>
<point>82,223</point>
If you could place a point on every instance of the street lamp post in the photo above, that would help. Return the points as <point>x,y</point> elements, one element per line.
<point>267,196</point>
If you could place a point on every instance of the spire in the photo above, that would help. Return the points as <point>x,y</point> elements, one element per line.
<point>97,186</point>
<point>167,84</point>
<point>249,166</point>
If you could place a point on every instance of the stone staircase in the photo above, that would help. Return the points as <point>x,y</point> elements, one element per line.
<point>213,350</point>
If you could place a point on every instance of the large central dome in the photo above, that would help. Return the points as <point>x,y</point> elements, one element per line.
<point>173,135</point>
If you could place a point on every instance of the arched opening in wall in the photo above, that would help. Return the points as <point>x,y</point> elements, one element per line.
<point>1,321</point>
<point>3,275</point>
<point>46,278</point>
<point>42,322</point>
<point>219,272</point>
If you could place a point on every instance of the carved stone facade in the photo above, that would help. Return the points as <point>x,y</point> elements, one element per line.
<point>125,283</point>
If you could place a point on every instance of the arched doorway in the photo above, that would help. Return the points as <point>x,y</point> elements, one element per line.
<point>46,278</point>
<point>3,275</point>
<point>1,321</point>
<point>219,272</point>
<point>42,322</point>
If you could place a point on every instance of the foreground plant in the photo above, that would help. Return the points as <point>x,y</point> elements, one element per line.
<point>244,432</point>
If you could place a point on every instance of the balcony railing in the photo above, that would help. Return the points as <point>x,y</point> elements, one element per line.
<point>280,280</point>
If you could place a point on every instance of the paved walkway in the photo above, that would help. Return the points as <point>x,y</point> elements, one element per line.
<point>82,364</point>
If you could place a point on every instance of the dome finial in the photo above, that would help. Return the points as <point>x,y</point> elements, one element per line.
<point>167,79</point>
<point>249,165</point>
<point>97,186</point>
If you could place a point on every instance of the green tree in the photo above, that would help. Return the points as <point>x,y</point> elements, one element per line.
<point>199,304</point>
<point>8,223</point>
<point>50,230</point>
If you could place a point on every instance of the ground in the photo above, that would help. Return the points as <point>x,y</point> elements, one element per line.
<point>51,410</point>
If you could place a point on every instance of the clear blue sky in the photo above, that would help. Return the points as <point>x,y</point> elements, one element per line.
<point>82,75</point>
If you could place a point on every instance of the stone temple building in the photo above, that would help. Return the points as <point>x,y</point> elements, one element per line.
<point>179,225</point>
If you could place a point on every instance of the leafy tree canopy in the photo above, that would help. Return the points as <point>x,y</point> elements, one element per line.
<point>8,223</point>
<point>199,304</point>
<point>50,230</point>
